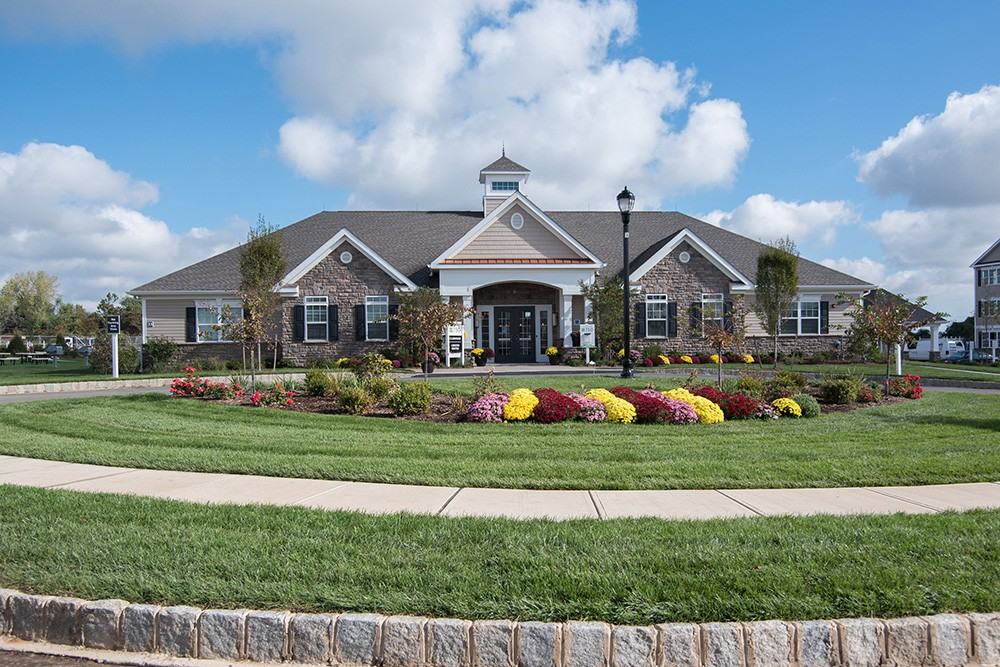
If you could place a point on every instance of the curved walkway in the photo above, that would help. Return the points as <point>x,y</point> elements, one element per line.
<point>510,503</point>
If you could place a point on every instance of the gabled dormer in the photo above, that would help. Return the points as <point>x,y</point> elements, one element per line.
<point>500,179</point>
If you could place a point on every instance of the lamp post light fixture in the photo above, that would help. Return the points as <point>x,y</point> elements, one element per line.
<point>626,200</point>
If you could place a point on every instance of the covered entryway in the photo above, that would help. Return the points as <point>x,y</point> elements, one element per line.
<point>514,333</point>
<point>516,321</point>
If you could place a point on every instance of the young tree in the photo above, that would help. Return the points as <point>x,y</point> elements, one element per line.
<point>423,317</point>
<point>27,302</point>
<point>890,319</point>
<point>605,298</point>
<point>262,266</point>
<point>731,335</point>
<point>777,286</point>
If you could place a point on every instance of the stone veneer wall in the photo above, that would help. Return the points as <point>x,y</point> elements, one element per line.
<point>408,641</point>
<point>683,284</point>
<point>346,285</point>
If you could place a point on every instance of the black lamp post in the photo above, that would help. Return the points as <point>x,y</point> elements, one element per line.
<point>626,200</point>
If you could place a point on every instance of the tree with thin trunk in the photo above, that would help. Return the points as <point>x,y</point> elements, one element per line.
<point>605,298</point>
<point>262,266</point>
<point>423,318</point>
<point>730,335</point>
<point>777,286</point>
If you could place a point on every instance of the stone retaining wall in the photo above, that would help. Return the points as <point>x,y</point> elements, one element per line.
<point>408,641</point>
<point>89,385</point>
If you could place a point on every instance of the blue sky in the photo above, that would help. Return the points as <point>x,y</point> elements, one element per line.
<point>234,112</point>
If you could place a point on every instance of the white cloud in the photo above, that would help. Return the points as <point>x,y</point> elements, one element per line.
<point>944,160</point>
<point>865,268</point>
<point>763,217</point>
<point>65,211</point>
<point>403,104</point>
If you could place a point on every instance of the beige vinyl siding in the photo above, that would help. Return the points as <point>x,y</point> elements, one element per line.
<point>167,316</point>
<point>533,241</point>
<point>840,316</point>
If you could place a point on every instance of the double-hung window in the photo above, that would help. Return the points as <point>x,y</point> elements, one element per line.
<point>656,315</point>
<point>213,317</point>
<point>989,276</point>
<point>712,311</point>
<point>317,319</point>
<point>801,317</point>
<point>377,318</point>
<point>504,186</point>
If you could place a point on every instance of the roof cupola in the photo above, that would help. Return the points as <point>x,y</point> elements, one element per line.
<point>500,179</point>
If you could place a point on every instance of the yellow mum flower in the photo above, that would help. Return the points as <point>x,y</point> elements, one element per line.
<point>707,411</point>
<point>747,358</point>
<point>686,359</point>
<point>665,360</point>
<point>714,358</point>
<point>618,409</point>
<point>520,405</point>
<point>786,407</point>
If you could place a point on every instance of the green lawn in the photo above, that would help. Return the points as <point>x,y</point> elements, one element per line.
<point>75,370</point>
<point>943,437</point>
<point>625,571</point>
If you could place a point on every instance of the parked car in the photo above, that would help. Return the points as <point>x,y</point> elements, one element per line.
<point>921,351</point>
<point>963,357</point>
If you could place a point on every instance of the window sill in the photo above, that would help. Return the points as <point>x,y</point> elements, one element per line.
<point>314,341</point>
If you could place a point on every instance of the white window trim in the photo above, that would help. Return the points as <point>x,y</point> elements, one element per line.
<point>217,305</point>
<point>658,299</point>
<point>715,298</point>
<point>805,298</point>
<point>316,301</point>
<point>376,300</point>
<point>494,188</point>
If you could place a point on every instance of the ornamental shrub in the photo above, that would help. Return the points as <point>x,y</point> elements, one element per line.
<point>908,386</point>
<point>619,410</point>
<point>648,410</point>
<point>487,408</point>
<point>355,399</point>
<point>808,405</point>
<point>100,356</point>
<point>786,407</point>
<point>751,385</point>
<point>841,390</point>
<point>273,395</point>
<point>318,382</point>
<point>157,352</point>
<point>16,345</point>
<point>413,398</point>
<point>765,411</point>
<point>554,407</point>
<point>711,393</point>
<point>380,386</point>
<point>521,404</point>
<point>679,411</point>
<point>590,409</point>
<point>371,365</point>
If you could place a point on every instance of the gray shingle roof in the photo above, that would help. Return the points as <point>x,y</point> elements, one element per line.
<point>502,163</point>
<point>410,240</point>
<point>990,256</point>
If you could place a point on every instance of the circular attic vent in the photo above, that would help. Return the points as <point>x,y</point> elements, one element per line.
<point>685,257</point>
<point>517,221</point>
<point>346,257</point>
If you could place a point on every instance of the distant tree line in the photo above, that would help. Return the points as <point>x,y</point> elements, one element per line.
<point>30,305</point>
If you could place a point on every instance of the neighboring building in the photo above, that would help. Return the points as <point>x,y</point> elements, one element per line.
<point>520,267</point>
<point>987,312</point>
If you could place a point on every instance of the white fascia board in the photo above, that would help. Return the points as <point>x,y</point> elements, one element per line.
<point>687,235</point>
<point>975,264</point>
<point>860,289</point>
<point>495,214</point>
<point>516,266</point>
<point>324,250</point>
<point>176,293</point>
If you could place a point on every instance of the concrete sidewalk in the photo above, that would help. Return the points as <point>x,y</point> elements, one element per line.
<point>510,503</point>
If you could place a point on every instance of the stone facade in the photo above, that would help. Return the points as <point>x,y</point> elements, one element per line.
<point>408,641</point>
<point>346,286</point>
<point>684,284</point>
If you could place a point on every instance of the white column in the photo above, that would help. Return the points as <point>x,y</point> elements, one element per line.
<point>899,359</point>
<point>567,320</point>
<point>444,336</point>
<point>469,323</point>
<point>935,345</point>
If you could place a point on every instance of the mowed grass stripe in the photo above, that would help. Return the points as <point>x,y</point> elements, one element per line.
<point>942,438</point>
<point>635,571</point>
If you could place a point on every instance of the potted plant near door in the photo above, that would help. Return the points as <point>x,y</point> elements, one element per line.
<point>430,361</point>
<point>554,354</point>
<point>480,355</point>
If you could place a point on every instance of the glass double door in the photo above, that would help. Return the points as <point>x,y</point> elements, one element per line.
<point>514,334</point>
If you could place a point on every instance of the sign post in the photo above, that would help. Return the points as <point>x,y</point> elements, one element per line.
<point>587,338</point>
<point>114,324</point>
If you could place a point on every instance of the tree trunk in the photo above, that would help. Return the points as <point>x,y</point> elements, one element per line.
<point>274,367</point>
<point>253,374</point>
<point>775,360</point>
<point>718,367</point>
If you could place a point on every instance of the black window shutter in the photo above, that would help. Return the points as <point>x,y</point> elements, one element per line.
<point>393,323</point>
<point>824,317</point>
<point>727,315</point>
<point>359,322</point>
<point>640,320</point>
<point>298,324</point>
<point>695,319</point>
<point>333,319</point>
<point>979,309</point>
<point>979,277</point>
<point>190,326</point>
<point>672,319</point>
